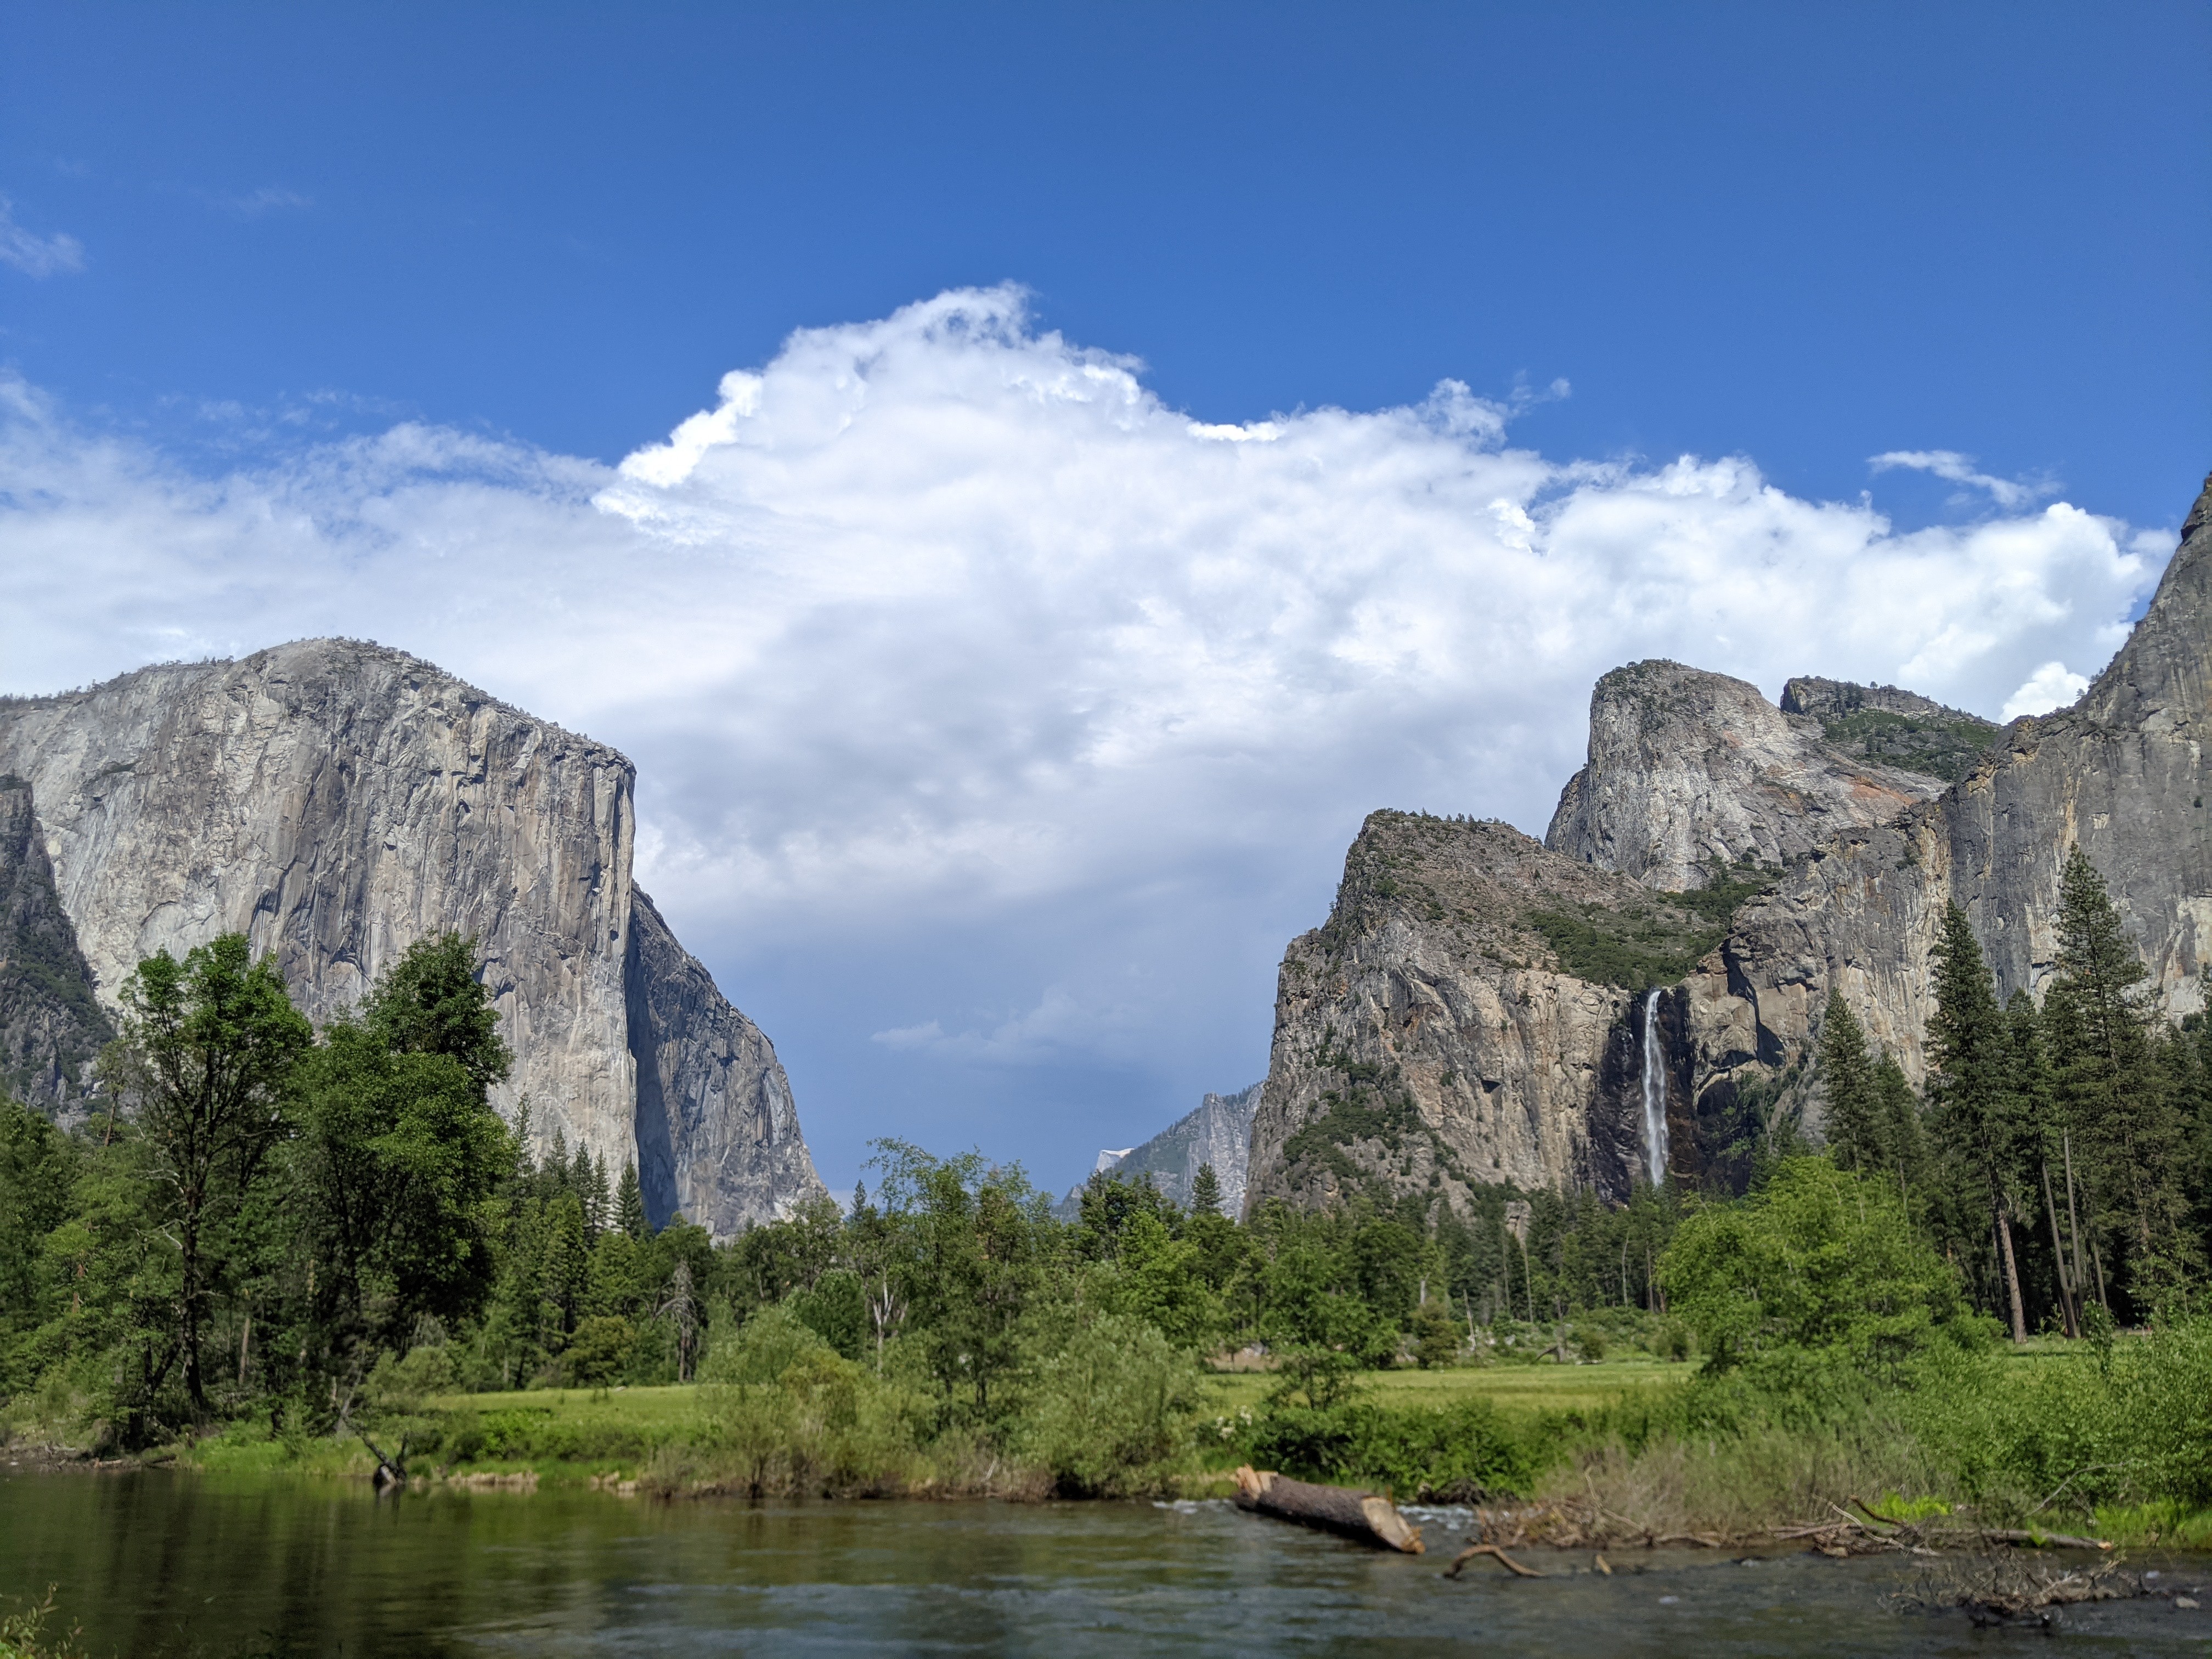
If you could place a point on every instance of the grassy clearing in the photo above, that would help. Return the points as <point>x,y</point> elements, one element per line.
<point>1509,1388</point>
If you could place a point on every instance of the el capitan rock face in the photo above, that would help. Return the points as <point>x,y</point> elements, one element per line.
<point>1688,769</point>
<point>335,801</point>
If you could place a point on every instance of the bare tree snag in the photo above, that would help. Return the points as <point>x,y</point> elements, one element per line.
<point>1357,1515</point>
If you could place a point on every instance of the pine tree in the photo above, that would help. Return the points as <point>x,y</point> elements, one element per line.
<point>2042,1138</point>
<point>1855,1126</point>
<point>1206,1192</point>
<point>553,1173</point>
<point>598,1202</point>
<point>1901,1129</point>
<point>629,1206</point>
<point>1968,1068</point>
<point>2098,1036</point>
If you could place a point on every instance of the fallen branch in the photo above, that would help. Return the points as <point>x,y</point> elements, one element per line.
<point>1504,1559</point>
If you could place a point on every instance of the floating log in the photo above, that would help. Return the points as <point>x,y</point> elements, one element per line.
<point>1359,1514</point>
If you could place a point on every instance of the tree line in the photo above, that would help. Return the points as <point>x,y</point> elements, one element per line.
<point>2062,1156</point>
<point>265,1214</point>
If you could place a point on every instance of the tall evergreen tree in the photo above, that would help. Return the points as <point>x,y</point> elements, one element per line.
<point>598,1201</point>
<point>2042,1139</point>
<point>1903,1134</point>
<point>1206,1192</point>
<point>1968,1084</point>
<point>629,1206</point>
<point>1856,1137</point>
<point>2100,1039</point>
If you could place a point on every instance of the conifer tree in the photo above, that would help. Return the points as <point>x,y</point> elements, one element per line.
<point>1854,1125</point>
<point>629,1206</point>
<point>2099,1039</point>
<point>2042,1138</point>
<point>1968,1083</point>
<point>598,1202</point>
<point>1907,1140</point>
<point>1206,1192</point>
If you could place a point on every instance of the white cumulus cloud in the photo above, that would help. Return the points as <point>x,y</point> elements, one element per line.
<point>2053,686</point>
<point>988,707</point>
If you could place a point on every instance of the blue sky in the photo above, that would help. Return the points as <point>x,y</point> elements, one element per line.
<point>531,241</point>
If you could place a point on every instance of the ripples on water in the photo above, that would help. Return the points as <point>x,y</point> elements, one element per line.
<point>158,1564</point>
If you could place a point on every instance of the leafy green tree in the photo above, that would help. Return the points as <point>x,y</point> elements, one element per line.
<point>1856,1126</point>
<point>38,1169</point>
<point>598,1351</point>
<point>1319,1325</point>
<point>400,1152</point>
<point>1969,1071</point>
<point>431,1002</point>
<point>1818,1259</point>
<point>1436,1335</point>
<point>1160,1281</point>
<point>972,1240</point>
<point>206,1060</point>
<point>834,1309</point>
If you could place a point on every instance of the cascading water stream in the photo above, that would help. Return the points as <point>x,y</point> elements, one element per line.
<point>1655,1095</point>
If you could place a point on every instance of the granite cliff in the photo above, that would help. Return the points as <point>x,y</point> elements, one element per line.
<point>2122,773</point>
<point>1689,769</point>
<point>1464,1017</point>
<point>335,801</point>
<point>1480,1008</point>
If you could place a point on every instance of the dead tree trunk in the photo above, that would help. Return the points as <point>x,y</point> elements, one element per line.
<point>1359,1514</point>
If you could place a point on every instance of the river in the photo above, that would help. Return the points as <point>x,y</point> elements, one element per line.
<point>157,1564</point>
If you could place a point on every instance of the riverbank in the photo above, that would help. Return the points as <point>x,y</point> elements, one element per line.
<point>1615,1454</point>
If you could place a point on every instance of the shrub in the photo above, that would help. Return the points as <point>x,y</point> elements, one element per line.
<point>1464,1451</point>
<point>1111,1412</point>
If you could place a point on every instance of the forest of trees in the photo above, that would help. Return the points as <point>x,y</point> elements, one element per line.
<point>264,1214</point>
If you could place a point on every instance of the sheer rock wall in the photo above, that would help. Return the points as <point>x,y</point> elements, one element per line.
<point>335,801</point>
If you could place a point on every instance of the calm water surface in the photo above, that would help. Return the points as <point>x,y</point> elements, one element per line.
<point>159,1564</point>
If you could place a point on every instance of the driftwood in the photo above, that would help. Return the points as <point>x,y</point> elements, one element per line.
<point>1504,1560</point>
<point>1998,1588</point>
<point>1359,1514</point>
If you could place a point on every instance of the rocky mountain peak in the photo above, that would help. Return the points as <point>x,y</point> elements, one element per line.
<point>1691,771</point>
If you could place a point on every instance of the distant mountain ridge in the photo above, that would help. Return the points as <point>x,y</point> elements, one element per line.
<point>1219,1132</point>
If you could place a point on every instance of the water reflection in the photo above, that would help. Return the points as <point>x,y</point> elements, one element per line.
<point>159,1564</point>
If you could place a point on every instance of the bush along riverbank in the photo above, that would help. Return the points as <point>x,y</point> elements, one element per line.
<point>341,1260</point>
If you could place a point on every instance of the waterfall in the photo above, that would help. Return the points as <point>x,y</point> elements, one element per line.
<point>1654,1094</point>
